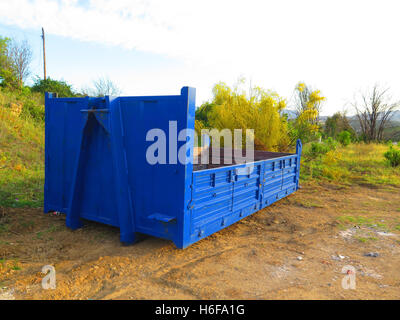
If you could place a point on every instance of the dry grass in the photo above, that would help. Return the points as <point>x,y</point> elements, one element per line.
<point>356,164</point>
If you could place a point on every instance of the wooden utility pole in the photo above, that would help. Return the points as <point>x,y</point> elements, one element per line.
<point>44,54</point>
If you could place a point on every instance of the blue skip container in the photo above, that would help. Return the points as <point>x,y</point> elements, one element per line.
<point>96,169</point>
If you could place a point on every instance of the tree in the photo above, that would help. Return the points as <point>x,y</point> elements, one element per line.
<point>20,54</point>
<point>4,59</point>
<point>336,124</point>
<point>233,108</point>
<point>308,101</point>
<point>55,86</point>
<point>7,72</point>
<point>374,110</point>
<point>308,106</point>
<point>203,113</point>
<point>103,86</point>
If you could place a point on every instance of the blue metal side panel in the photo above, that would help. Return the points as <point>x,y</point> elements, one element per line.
<point>221,197</point>
<point>158,191</point>
<point>299,148</point>
<point>62,120</point>
<point>279,178</point>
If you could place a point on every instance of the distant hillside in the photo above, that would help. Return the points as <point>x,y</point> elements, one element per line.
<point>291,114</point>
<point>396,116</point>
<point>391,132</point>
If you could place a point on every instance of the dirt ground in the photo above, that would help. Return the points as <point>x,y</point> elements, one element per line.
<point>295,249</point>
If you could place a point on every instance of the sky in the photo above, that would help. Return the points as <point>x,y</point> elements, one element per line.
<point>156,47</point>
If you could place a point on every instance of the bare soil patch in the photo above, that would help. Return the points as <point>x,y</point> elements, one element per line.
<point>295,249</point>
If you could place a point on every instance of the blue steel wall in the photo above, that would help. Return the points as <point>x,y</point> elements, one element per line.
<point>64,123</point>
<point>160,193</point>
<point>96,165</point>
<point>221,196</point>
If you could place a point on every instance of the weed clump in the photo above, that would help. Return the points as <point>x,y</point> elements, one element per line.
<point>319,149</point>
<point>393,156</point>
<point>344,138</point>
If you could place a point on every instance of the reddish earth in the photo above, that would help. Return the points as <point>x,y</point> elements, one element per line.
<point>295,249</point>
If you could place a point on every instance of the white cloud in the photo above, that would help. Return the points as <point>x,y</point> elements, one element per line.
<point>336,46</point>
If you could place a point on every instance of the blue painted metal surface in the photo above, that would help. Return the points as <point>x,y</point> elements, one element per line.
<point>96,169</point>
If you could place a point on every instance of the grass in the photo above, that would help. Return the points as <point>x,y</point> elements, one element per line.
<point>51,229</point>
<point>10,265</point>
<point>21,158</point>
<point>365,239</point>
<point>308,204</point>
<point>356,164</point>
<point>367,227</point>
<point>362,221</point>
<point>368,223</point>
<point>15,265</point>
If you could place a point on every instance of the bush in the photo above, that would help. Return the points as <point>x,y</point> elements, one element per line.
<point>331,143</point>
<point>33,110</point>
<point>393,156</point>
<point>54,86</point>
<point>344,138</point>
<point>319,149</point>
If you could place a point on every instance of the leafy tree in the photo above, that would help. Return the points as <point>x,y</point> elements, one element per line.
<point>308,105</point>
<point>233,108</point>
<point>8,76</point>
<point>4,59</point>
<point>308,101</point>
<point>55,86</point>
<point>336,124</point>
<point>203,113</point>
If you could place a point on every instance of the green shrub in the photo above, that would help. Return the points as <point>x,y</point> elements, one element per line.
<point>62,88</point>
<point>330,143</point>
<point>393,156</point>
<point>318,149</point>
<point>344,138</point>
<point>33,110</point>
